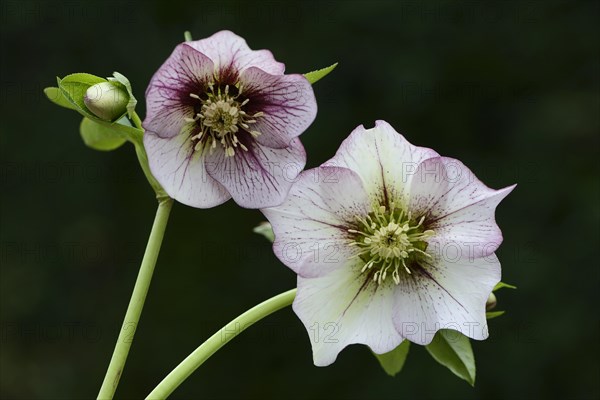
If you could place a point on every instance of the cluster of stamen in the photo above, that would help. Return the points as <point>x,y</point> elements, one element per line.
<point>221,118</point>
<point>389,239</point>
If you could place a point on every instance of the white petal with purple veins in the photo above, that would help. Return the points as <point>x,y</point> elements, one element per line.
<point>345,307</point>
<point>287,103</point>
<point>168,99</point>
<point>447,293</point>
<point>311,226</point>
<point>181,171</point>
<point>384,159</point>
<point>260,176</point>
<point>230,51</point>
<point>459,207</point>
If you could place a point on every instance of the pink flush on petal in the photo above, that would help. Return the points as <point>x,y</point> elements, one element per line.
<point>217,99</point>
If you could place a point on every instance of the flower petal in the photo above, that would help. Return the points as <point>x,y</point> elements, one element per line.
<point>229,51</point>
<point>311,226</point>
<point>459,207</point>
<point>345,307</point>
<point>259,177</point>
<point>181,172</point>
<point>168,99</point>
<point>287,101</point>
<point>383,158</point>
<point>447,293</point>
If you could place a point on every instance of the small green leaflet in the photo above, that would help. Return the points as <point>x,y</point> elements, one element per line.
<point>317,75</point>
<point>55,95</point>
<point>453,350</point>
<point>100,137</point>
<point>393,361</point>
<point>265,229</point>
<point>501,285</point>
<point>493,314</point>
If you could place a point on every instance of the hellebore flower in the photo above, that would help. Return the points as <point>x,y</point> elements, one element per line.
<point>223,120</point>
<point>390,241</point>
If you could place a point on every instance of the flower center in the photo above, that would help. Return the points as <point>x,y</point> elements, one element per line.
<point>221,118</point>
<point>389,239</point>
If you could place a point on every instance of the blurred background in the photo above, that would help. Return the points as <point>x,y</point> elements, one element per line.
<point>510,87</point>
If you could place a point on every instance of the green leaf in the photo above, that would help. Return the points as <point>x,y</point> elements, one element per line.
<point>501,285</point>
<point>317,75</point>
<point>265,229</point>
<point>55,95</point>
<point>100,137</point>
<point>122,79</point>
<point>493,314</point>
<point>393,361</point>
<point>453,350</point>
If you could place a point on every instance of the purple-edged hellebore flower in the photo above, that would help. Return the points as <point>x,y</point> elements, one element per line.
<point>390,242</point>
<point>223,120</point>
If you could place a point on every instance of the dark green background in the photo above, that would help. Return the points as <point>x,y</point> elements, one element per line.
<point>510,88</point>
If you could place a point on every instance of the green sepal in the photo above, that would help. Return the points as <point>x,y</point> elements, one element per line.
<point>501,285</point>
<point>317,75</point>
<point>100,137</point>
<point>56,96</point>
<point>493,314</point>
<point>393,361</point>
<point>122,79</point>
<point>453,350</point>
<point>265,229</point>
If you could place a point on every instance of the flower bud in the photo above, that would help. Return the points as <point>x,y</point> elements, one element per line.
<point>106,100</point>
<point>491,302</point>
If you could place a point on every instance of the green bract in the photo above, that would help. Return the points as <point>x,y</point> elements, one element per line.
<point>99,137</point>
<point>265,229</point>
<point>393,361</point>
<point>453,350</point>
<point>317,75</point>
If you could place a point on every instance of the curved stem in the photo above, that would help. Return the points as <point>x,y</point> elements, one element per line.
<point>218,340</point>
<point>134,310</point>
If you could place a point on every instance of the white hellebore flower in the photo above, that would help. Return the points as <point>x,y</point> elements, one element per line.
<point>390,241</point>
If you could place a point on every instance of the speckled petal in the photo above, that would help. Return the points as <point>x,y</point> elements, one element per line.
<point>345,307</point>
<point>168,100</point>
<point>459,208</point>
<point>229,51</point>
<point>260,177</point>
<point>445,293</point>
<point>383,158</point>
<point>311,226</point>
<point>181,171</point>
<point>287,101</point>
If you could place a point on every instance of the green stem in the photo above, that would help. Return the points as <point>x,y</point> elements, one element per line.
<point>140,151</point>
<point>132,316</point>
<point>218,340</point>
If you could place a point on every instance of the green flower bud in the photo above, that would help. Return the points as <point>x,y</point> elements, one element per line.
<point>106,100</point>
<point>491,302</point>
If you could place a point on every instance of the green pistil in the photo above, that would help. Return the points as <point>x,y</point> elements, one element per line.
<point>221,119</point>
<point>387,239</point>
